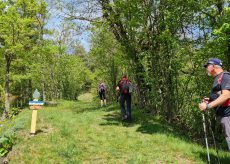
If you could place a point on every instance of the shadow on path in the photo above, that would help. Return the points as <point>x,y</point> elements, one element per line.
<point>111,119</point>
<point>85,109</point>
<point>213,158</point>
<point>149,125</point>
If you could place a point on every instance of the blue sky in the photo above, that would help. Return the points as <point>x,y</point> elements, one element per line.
<point>55,21</point>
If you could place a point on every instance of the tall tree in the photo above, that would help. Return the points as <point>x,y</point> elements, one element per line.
<point>18,30</point>
<point>106,57</point>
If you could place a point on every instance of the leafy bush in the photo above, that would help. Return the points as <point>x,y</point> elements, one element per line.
<point>14,111</point>
<point>6,144</point>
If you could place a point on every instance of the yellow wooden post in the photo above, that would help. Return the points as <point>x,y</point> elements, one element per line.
<point>33,121</point>
<point>34,116</point>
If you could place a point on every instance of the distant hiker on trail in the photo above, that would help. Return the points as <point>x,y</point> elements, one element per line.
<point>220,95</point>
<point>124,86</point>
<point>101,92</point>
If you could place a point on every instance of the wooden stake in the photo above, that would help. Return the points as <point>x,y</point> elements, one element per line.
<point>33,122</point>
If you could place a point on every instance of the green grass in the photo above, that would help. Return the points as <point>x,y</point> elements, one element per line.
<point>81,132</point>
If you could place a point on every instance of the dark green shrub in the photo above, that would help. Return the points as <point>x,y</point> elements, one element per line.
<point>6,144</point>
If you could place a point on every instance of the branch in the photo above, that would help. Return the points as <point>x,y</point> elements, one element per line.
<point>71,17</point>
<point>211,16</point>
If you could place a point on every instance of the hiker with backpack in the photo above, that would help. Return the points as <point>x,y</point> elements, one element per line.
<point>101,92</point>
<point>220,95</point>
<point>124,87</point>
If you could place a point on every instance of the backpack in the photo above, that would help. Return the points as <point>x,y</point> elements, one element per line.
<point>101,87</point>
<point>227,102</point>
<point>125,86</point>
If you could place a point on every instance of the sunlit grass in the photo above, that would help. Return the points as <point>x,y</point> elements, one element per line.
<point>87,97</point>
<point>80,132</point>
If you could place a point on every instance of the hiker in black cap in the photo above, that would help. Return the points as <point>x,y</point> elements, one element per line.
<point>220,95</point>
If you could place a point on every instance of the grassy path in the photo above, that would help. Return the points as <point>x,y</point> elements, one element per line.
<point>81,132</point>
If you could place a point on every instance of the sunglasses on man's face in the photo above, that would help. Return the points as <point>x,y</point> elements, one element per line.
<point>208,65</point>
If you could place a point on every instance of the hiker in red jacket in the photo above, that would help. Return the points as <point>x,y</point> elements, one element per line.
<point>124,86</point>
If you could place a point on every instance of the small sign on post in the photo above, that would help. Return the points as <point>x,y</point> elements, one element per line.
<point>35,105</point>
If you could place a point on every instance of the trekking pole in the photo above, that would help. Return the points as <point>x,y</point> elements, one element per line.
<point>214,140</point>
<point>206,138</point>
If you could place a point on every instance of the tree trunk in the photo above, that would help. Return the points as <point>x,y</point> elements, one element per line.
<point>7,97</point>
<point>121,36</point>
<point>113,78</point>
<point>30,88</point>
<point>168,98</point>
<point>21,95</point>
<point>43,91</point>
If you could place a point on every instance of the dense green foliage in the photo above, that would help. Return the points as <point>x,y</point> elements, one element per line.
<point>32,59</point>
<point>166,43</point>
